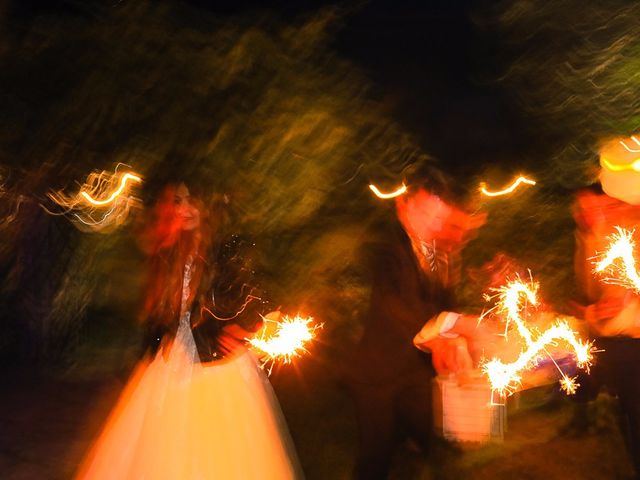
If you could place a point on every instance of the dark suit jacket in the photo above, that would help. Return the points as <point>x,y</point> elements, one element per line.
<point>403,298</point>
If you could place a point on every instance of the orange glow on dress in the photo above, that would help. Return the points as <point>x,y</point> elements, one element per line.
<point>510,189</point>
<point>396,193</point>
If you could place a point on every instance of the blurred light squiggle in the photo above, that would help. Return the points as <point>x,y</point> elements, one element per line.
<point>102,203</point>
<point>396,193</point>
<point>510,189</point>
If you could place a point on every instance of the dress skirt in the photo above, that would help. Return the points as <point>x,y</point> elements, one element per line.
<point>178,419</point>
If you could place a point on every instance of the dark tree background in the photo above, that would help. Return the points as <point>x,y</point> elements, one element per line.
<point>291,110</point>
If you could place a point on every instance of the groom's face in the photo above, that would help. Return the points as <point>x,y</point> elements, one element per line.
<point>428,217</point>
<point>422,214</point>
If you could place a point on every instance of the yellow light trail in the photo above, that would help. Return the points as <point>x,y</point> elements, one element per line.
<point>114,194</point>
<point>510,189</point>
<point>98,206</point>
<point>396,193</point>
<point>614,167</point>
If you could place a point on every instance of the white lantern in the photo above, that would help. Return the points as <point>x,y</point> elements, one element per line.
<point>620,172</point>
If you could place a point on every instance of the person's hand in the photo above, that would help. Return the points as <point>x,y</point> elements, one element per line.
<point>602,310</point>
<point>431,330</point>
<point>450,355</point>
<point>233,339</point>
<point>475,340</point>
<point>273,316</point>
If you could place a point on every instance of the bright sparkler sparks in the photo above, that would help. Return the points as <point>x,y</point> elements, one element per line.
<point>505,378</point>
<point>621,248</point>
<point>287,342</point>
<point>510,189</point>
<point>396,193</point>
<point>569,384</point>
<point>103,201</point>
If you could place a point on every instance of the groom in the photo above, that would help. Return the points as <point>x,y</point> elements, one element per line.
<point>415,267</point>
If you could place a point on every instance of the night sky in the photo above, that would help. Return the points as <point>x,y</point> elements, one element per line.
<point>432,61</point>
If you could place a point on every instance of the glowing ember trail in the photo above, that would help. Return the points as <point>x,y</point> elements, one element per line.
<point>510,189</point>
<point>505,378</point>
<point>103,201</point>
<point>396,193</point>
<point>621,248</point>
<point>286,342</point>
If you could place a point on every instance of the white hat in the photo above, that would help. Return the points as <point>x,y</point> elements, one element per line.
<point>620,172</point>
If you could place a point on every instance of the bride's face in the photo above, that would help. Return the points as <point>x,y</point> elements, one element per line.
<point>187,214</point>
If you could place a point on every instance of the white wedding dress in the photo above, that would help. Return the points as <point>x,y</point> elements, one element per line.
<point>179,419</point>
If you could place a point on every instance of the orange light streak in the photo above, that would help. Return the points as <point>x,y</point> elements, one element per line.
<point>614,167</point>
<point>116,193</point>
<point>102,203</point>
<point>396,193</point>
<point>510,189</point>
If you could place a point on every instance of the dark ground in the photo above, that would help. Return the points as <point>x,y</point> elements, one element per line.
<point>47,423</point>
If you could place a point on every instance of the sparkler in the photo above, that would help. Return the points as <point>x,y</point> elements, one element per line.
<point>505,378</point>
<point>623,273</point>
<point>286,342</point>
<point>510,189</point>
<point>396,193</point>
<point>569,384</point>
<point>103,201</point>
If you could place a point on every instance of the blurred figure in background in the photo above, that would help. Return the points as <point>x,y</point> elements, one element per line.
<point>201,407</point>
<point>415,266</point>
<point>612,314</point>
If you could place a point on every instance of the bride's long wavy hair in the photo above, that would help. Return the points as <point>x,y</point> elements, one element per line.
<point>169,251</point>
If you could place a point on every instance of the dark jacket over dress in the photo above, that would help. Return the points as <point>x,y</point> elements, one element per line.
<point>231,296</point>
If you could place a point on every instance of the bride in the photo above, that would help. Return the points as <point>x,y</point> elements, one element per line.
<point>200,407</point>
